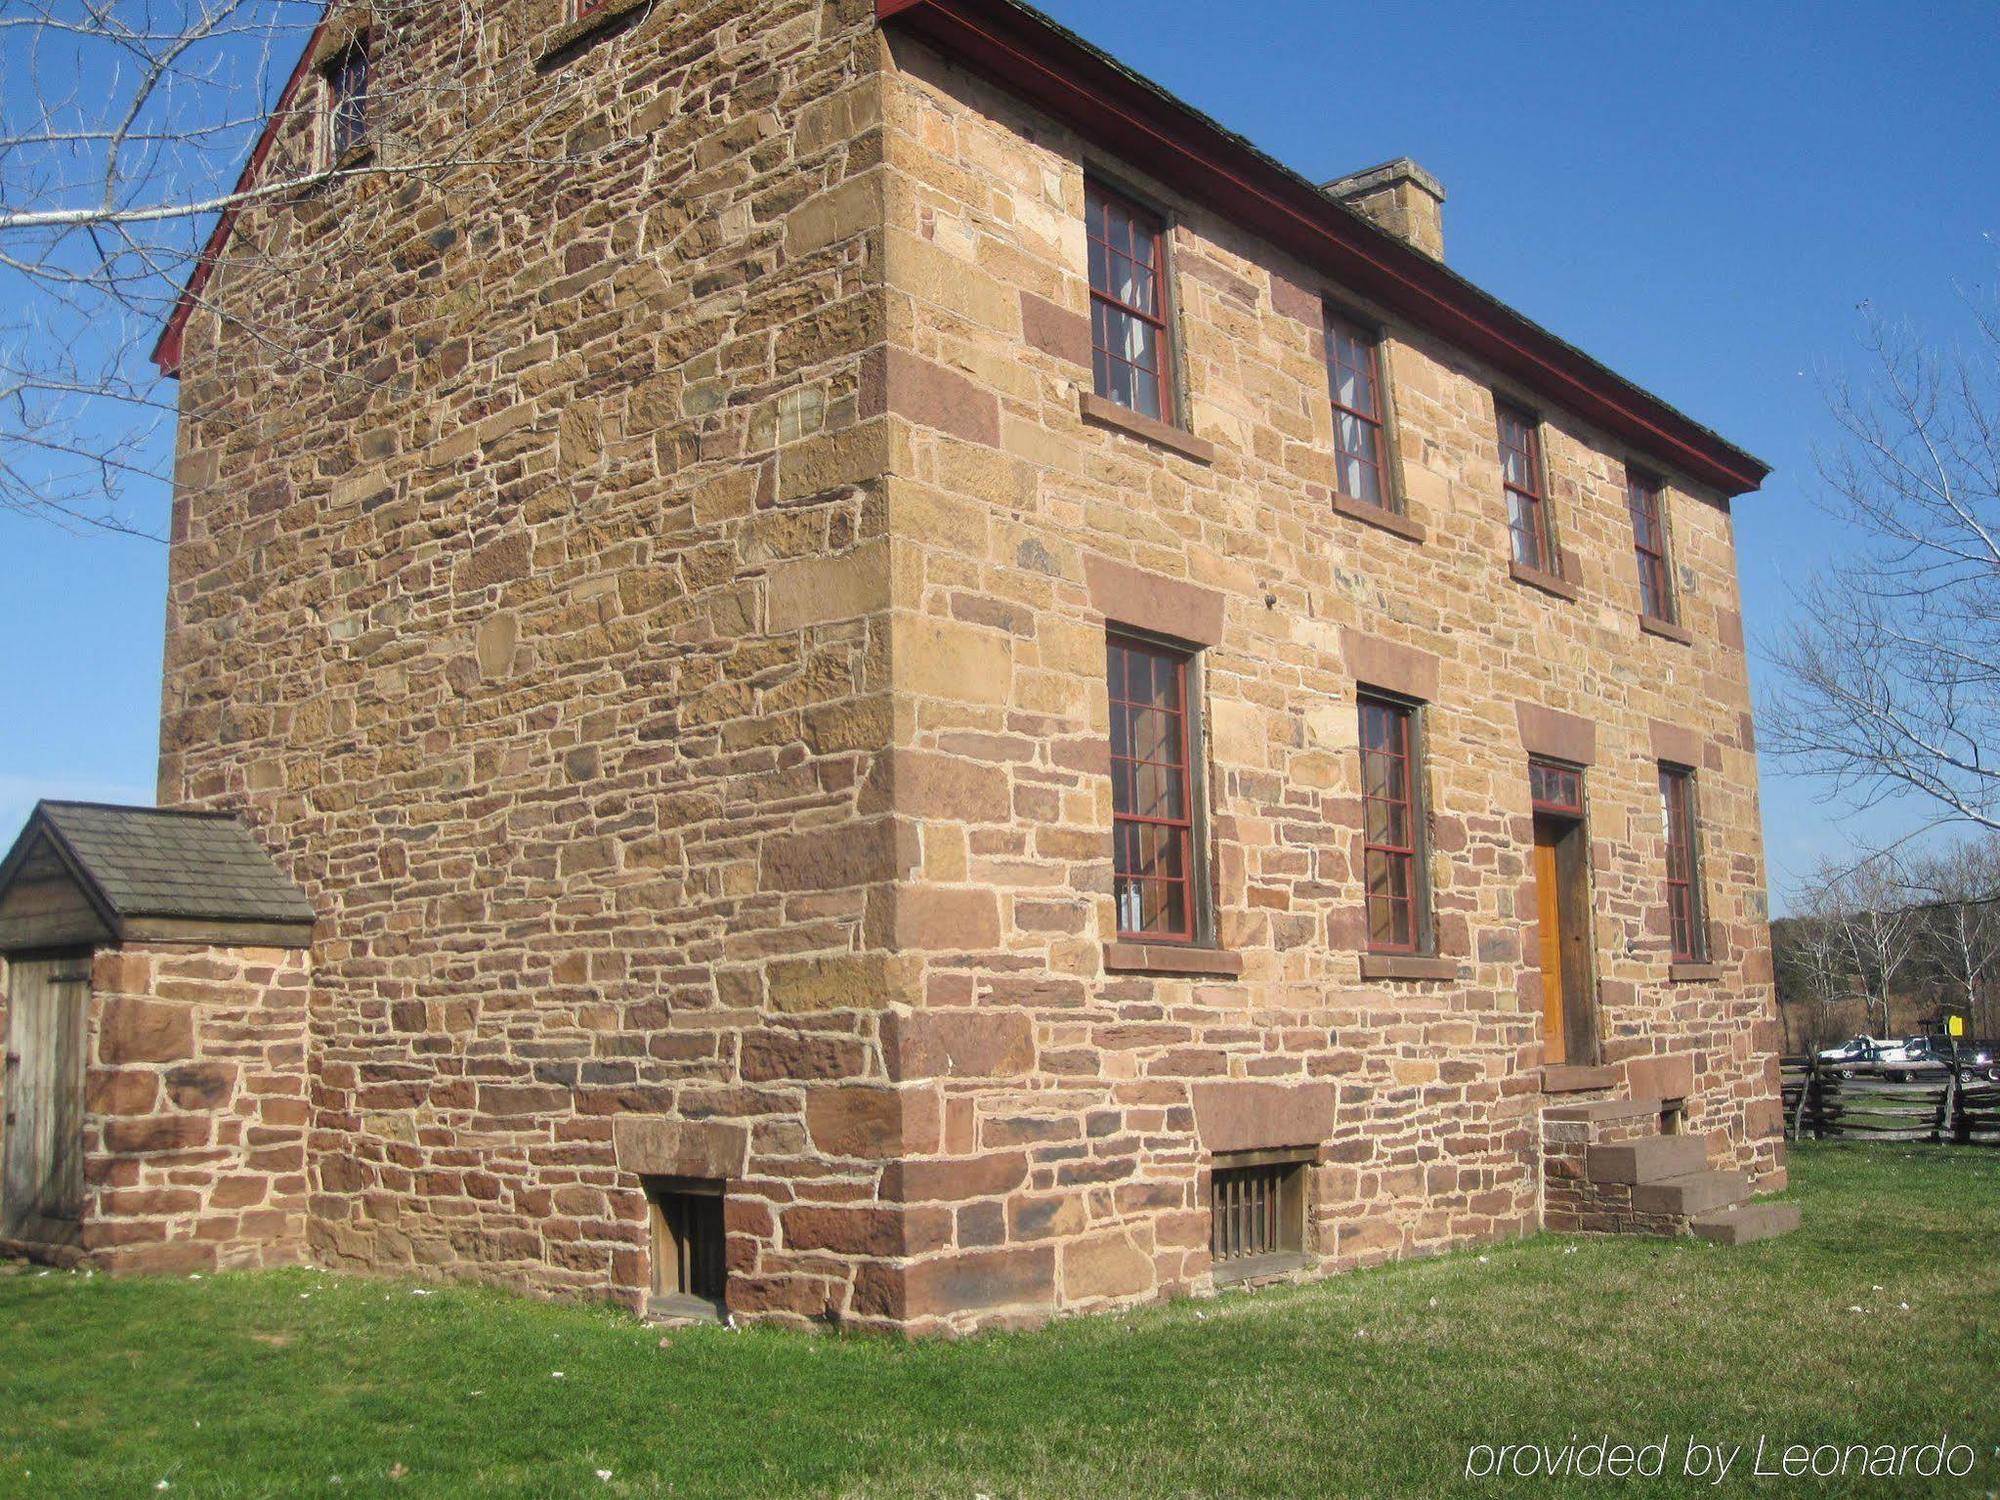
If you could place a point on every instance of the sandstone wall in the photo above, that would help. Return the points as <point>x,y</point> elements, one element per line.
<point>1083,1175</point>
<point>491,606</point>
<point>195,1108</point>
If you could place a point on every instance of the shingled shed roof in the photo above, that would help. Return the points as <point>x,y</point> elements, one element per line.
<point>85,872</point>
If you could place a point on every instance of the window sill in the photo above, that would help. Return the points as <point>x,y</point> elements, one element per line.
<point>681,1307</point>
<point>1407,966</point>
<point>1666,630</point>
<point>1577,1078</point>
<point>1258,1267</point>
<point>565,41</point>
<point>1693,973</point>
<point>1548,583</point>
<point>1379,517</point>
<point>1162,434</point>
<point>1171,958</point>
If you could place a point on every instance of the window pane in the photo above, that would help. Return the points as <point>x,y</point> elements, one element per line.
<point>1354,386</point>
<point>1389,826</point>
<point>1128,306</point>
<point>1152,830</point>
<point>1525,527</point>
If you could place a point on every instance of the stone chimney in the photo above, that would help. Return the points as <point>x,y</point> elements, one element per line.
<point>1398,196</point>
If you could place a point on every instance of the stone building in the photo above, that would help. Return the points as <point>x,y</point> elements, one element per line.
<point>911,687</point>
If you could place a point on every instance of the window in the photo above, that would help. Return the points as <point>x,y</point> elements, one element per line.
<point>1521,477</point>
<point>1128,306</point>
<point>1649,542</point>
<point>1684,920</point>
<point>1354,381</point>
<point>347,102</point>
<point>1152,791</point>
<point>1390,827</point>
<point>689,1248</point>
<point>1555,788</point>
<point>1258,1210</point>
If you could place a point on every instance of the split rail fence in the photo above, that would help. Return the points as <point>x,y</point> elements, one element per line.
<point>1820,1105</point>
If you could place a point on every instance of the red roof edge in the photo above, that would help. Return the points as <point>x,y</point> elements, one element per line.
<point>167,348</point>
<point>1036,60</point>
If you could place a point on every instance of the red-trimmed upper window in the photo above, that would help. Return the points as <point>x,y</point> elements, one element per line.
<point>1389,826</point>
<point>1128,306</point>
<point>1555,788</point>
<point>1354,382</point>
<point>347,101</point>
<point>1683,892</point>
<point>1649,543</point>
<point>1521,476</point>
<point>1152,794</point>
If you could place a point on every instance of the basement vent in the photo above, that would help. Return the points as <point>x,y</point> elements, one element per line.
<point>1257,1223</point>
<point>690,1268</point>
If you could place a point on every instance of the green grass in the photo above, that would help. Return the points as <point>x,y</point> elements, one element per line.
<point>1368,1384</point>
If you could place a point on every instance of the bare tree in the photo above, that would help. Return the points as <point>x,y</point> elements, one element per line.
<point>1877,926</point>
<point>125,129</point>
<point>1890,677</point>
<point>1817,957</point>
<point>1960,926</point>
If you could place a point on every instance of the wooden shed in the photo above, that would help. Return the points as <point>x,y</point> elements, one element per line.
<point>157,984</point>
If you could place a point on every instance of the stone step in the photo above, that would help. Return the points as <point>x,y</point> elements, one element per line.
<point>1603,1111</point>
<point>1747,1223</point>
<point>1697,1193</point>
<point>1654,1158</point>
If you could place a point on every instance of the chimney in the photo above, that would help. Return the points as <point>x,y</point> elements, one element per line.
<point>1398,196</point>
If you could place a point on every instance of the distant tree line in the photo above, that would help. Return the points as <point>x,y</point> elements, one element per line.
<point>1893,945</point>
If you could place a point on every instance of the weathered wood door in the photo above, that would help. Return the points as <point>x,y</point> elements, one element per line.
<point>1562,902</point>
<point>1548,902</point>
<point>41,1184</point>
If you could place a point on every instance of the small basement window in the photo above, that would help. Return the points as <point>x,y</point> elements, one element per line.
<point>690,1267</point>
<point>1257,1215</point>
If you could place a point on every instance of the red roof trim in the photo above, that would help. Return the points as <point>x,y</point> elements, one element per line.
<point>167,350</point>
<point>1036,60</point>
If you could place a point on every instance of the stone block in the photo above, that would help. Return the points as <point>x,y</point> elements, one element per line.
<point>139,1031</point>
<point>1246,1116</point>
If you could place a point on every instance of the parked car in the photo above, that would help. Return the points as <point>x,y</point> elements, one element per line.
<point>1915,1057</point>
<point>1858,1054</point>
<point>1976,1059</point>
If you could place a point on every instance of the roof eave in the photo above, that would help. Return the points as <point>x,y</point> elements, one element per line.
<point>1037,60</point>
<point>167,348</point>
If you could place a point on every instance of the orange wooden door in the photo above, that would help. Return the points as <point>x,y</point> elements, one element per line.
<point>1548,903</point>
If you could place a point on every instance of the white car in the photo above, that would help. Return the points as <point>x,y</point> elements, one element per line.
<point>1861,1054</point>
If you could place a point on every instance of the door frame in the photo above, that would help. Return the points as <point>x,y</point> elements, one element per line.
<point>1560,811</point>
<point>31,1225</point>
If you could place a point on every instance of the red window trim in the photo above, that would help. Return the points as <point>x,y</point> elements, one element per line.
<point>1191,916</point>
<point>1096,193</point>
<point>1371,341</point>
<point>1404,716</point>
<point>1536,499</point>
<point>1649,545</point>
<point>1686,940</point>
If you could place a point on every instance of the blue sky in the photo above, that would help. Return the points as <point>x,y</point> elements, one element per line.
<point>1701,195</point>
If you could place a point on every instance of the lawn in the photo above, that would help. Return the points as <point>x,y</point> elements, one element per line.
<point>302,1383</point>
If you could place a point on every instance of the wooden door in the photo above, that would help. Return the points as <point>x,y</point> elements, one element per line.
<point>1549,915</point>
<point>41,1182</point>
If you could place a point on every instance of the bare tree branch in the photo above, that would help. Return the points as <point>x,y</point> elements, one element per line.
<point>1890,674</point>
<point>124,134</point>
